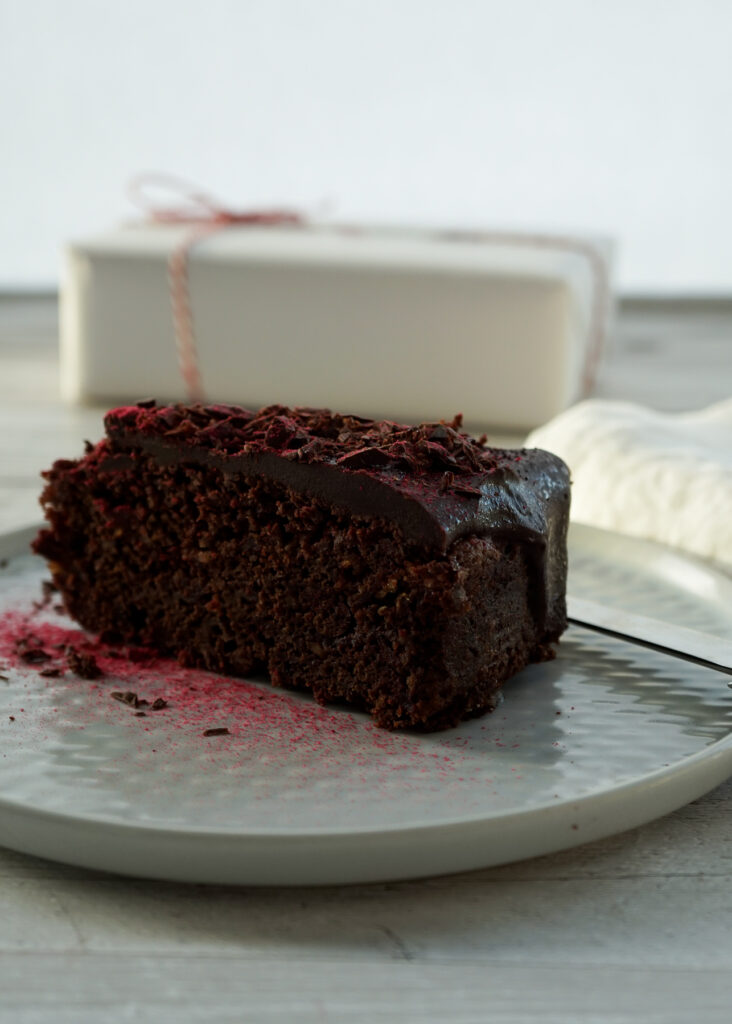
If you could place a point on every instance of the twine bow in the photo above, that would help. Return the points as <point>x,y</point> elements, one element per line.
<point>206,216</point>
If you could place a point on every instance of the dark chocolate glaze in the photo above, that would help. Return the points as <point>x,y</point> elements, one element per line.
<point>433,481</point>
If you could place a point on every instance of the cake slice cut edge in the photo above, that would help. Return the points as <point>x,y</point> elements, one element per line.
<point>405,571</point>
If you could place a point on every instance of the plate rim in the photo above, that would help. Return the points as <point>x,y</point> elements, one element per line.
<point>659,776</point>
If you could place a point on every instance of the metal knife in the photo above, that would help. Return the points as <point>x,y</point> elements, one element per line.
<point>702,648</point>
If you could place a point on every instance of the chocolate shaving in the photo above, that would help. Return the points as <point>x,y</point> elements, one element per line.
<point>216,732</point>
<point>30,650</point>
<point>83,665</point>
<point>467,489</point>
<point>132,700</point>
<point>365,458</point>
<point>447,481</point>
<point>34,656</point>
<point>50,673</point>
<point>128,697</point>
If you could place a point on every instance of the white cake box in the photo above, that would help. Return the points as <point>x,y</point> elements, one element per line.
<point>401,324</point>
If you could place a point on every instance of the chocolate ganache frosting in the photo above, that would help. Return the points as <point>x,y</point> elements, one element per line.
<point>434,481</point>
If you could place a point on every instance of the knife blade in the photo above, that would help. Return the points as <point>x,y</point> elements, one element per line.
<point>702,648</point>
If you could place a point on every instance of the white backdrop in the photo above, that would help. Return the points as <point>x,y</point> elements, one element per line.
<point>610,116</point>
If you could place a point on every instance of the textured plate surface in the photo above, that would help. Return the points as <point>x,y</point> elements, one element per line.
<point>605,737</point>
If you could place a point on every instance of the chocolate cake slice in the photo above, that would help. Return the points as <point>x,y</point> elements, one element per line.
<point>409,571</point>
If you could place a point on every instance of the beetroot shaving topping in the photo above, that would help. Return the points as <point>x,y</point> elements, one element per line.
<point>314,436</point>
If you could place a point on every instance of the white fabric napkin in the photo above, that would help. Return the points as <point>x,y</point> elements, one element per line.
<point>651,474</point>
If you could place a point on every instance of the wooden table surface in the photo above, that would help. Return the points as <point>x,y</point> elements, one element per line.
<point>633,928</point>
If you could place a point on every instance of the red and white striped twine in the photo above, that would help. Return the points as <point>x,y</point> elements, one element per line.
<point>206,217</point>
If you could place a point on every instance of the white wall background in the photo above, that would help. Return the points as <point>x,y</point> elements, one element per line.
<point>611,116</point>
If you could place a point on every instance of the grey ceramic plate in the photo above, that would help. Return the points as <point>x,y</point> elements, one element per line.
<point>604,738</point>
